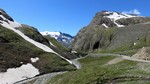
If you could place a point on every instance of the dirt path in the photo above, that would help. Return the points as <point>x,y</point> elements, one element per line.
<point>120,57</point>
<point>114,61</point>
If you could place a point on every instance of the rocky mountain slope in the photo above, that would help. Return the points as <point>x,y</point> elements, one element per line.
<point>63,38</point>
<point>113,32</point>
<point>25,53</point>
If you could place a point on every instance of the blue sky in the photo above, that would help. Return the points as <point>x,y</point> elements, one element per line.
<point>67,16</point>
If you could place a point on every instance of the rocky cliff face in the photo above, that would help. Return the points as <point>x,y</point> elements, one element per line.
<point>113,31</point>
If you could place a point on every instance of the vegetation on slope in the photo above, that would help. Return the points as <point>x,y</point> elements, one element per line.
<point>96,70</point>
<point>33,33</point>
<point>15,51</point>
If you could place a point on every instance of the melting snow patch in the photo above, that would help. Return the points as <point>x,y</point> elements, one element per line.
<point>11,23</point>
<point>134,43</point>
<point>16,74</point>
<point>34,59</point>
<point>118,25</point>
<point>105,25</point>
<point>73,51</point>
<point>14,24</point>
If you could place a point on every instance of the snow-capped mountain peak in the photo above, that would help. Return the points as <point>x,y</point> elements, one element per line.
<point>110,19</point>
<point>52,34</point>
<point>115,15</point>
<point>63,38</point>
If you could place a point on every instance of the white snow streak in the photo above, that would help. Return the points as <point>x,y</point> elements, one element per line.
<point>39,45</point>
<point>15,74</point>
<point>52,44</point>
<point>14,24</point>
<point>118,25</point>
<point>105,25</point>
<point>11,23</point>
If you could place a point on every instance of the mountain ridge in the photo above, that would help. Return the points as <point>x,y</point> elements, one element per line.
<point>105,32</point>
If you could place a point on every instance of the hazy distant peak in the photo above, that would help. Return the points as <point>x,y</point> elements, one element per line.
<point>63,38</point>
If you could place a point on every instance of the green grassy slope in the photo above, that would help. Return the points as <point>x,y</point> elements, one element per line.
<point>96,71</point>
<point>14,50</point>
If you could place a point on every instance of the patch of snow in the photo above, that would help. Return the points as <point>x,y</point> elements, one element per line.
<point>73,51</point>
<point>134,43</point>
<point>34,59</point>
<point>11,23</point>
<point>14,24</point>
<point>39,45</point>
<point>21,62</point>
<point>52,44</point>
<point>15,74</point>
<point>2,17</point>
<point>118,25</point>
<point>64,40</point>
<point>105,25</point>
<point>116,16</point>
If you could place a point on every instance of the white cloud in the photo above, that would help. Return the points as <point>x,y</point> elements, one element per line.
<point>135,11</point>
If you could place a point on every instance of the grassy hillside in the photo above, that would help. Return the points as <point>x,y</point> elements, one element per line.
<point>15,51</point>
<point>103,70</point>
<point>33,33</point>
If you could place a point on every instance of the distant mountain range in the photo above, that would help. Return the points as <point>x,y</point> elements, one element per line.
<point>63,38</point>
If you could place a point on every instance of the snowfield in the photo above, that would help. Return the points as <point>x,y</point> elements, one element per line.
<point>105,25</point>
<point>15,74</point>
